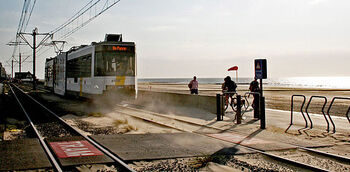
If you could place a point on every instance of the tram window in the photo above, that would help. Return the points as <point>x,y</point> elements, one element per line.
<point>125,66</point>
<point>79,67</point>
<point>112,64</point>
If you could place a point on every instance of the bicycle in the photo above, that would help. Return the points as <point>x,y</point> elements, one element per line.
<point>230,99</point>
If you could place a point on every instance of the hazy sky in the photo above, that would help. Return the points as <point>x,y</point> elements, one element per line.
<point>182,38</point>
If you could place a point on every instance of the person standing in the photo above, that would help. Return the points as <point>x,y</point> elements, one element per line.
<point>254,87</point>
<point>193,85</point>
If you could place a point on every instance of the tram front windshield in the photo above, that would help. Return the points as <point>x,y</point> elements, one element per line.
<point>109,62</point>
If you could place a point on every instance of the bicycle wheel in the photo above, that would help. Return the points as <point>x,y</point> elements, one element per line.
<point>233,104</point>
<point>225,106</point>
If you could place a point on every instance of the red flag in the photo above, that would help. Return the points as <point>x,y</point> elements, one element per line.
<point>233,68</point>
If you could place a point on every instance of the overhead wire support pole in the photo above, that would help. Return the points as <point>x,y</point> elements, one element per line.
<point>34,47</point>
<point>20,62</point>
<point>12,69</point>
<point>28,7</point>
<point>58,49</point>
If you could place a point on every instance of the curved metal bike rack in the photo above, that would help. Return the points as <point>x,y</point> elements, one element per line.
<point>301,110</point>
<point>330,106</point>
<point>307,107</point>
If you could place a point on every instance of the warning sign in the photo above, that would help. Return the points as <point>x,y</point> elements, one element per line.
<point>260,68</point>
<point>74,149</point>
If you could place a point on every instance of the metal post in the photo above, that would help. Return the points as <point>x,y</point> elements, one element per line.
<point>256,105</point>
<point>239,109</point>
<point>20,62</point>
<point>262,107</point>
<point>261,88</point>
<point>34,49</point>
<point>218,107</point>
<point>12,70</point>
<point>262,113</point>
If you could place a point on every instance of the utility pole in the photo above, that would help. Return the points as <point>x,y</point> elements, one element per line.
<point>12,69</point>
<point>20,62</point>
<point>34,47</point>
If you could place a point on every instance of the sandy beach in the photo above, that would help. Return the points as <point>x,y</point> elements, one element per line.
<point>276,97</point>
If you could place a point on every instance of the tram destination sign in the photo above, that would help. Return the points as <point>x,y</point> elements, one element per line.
<point>116,48</point>
<point>260,68</point>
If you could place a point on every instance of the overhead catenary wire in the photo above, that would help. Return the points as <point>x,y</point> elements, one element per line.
<point>67,27</point>
<point>89,20</point>
<point>30,14</point>
<point>22,25</point>
<point>69,30</point>
<point>71,19</point>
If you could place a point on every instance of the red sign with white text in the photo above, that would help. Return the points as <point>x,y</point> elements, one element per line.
<point>74,149</point>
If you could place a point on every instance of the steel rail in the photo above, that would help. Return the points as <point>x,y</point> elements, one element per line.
<point>343,158</point>
<point>102,148</point>
<point>164,116</point>
<point>152,121</point>
<point>41,139</point>
<point>339,157</point>
<point>296,163</point>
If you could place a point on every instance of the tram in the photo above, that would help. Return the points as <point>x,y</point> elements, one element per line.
<point>49,73</point>
<point>96,69</point>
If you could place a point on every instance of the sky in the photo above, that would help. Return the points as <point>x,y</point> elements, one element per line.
<point>183,38</point>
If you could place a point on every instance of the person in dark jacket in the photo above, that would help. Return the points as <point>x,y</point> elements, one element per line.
<point>229,85</point>
<point>254,87</point>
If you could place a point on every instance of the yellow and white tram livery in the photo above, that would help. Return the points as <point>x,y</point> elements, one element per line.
<point>97,68</point>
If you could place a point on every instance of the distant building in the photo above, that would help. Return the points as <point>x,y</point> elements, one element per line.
<point>24,76</point>
<point>2,72</point>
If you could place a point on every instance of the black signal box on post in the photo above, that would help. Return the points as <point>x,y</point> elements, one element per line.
<point>261,73</point>
<point>260,68</point>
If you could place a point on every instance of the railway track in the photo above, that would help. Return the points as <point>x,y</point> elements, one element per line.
<point>286,156</point>
<point>40,118</point>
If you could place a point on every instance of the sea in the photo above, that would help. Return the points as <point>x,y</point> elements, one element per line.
<point>295,82</point>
